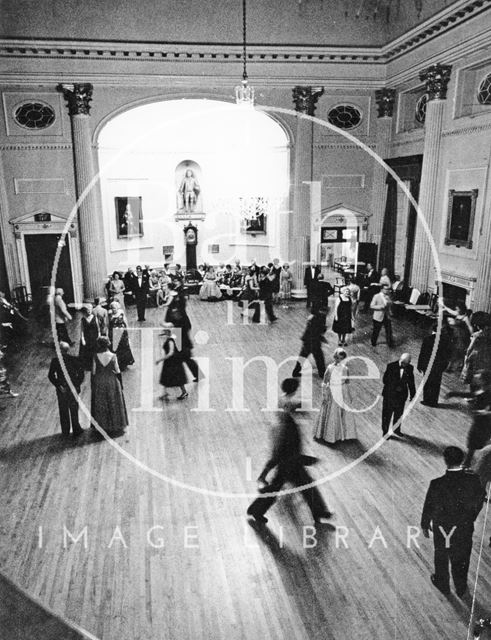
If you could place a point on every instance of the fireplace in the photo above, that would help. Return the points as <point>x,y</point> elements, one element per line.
<point>452,294</point>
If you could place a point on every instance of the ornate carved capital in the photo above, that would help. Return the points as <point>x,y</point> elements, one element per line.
<point>385,99</point>
<point>78,97</point>
<point>436,79</point>
<point>305,99</point>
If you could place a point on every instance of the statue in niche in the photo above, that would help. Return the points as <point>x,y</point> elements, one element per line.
<point>188,191</point>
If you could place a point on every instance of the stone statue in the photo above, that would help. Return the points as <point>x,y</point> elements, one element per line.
<point>189,190</point>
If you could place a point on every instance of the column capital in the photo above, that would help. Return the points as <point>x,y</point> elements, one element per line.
<point>436,79</point>
<point>305,99</point>
<point>385,99</point>
<point>78,97</point>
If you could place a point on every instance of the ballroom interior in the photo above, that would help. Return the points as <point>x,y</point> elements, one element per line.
<point>348,131</point>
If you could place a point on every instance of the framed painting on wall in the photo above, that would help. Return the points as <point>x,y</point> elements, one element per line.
<point>129,217</point>
<point>460,219</point>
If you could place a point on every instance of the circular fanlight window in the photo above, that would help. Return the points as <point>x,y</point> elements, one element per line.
<point>420,109</point>
<point>484,91</point>
<point>344,116</point>
<point>34,115</point>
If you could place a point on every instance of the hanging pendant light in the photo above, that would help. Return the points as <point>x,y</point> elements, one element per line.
<point>244,93</point>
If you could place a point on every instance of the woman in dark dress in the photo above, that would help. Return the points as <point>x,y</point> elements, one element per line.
<point>343,320</point>
<point>89,332</point>
<point>108,407</point>
<point>118,336</point>
<point>173,373</point>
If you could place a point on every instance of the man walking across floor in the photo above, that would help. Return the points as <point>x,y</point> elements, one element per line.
<point>312,340</point>
<point>67,401</point>
<point>452,504</point>
<point>398,384</point>
<point>431,389</point>
<point>288,461</point>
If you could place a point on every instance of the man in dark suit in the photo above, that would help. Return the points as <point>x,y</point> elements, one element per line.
<point>321,290</point>
<point>67,401</point>
<point>312,340</point>
<point>398,384</point>
<point>452,504</point>
<point>288,461</point>
<point>431,390</point>
<point>369,286</point>
<point>140,286</point>
<point>309,279</point>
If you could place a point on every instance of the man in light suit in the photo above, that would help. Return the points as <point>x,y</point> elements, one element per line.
<point>309,280</point>
<point>381,306</point>
<point>398,384</point>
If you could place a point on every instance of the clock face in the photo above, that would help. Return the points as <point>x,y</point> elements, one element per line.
<point>190,236</point>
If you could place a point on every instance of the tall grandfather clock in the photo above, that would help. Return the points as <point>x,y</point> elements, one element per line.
<point>191,241</point>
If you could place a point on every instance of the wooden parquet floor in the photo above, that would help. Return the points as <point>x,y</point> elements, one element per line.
<point>168,552</point>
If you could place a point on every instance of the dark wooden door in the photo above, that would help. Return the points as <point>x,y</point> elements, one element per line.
<point>41,250</point>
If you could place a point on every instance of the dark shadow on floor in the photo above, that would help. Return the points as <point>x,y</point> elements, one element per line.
<point>52,445</point>
<point>298,574</point>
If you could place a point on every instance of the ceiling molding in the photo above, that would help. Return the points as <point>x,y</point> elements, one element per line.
<point>194,82</point>
<point>442,22</point>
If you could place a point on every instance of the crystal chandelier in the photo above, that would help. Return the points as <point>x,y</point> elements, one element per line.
<point>244,94</point>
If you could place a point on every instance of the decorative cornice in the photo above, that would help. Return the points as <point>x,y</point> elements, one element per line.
<point>34,147</point>
<point>385,99</point>
<point>467,130</point>
<point>305,99</point>
<point>340,145</point>
<point>78,97</point>
<point>444,21</point>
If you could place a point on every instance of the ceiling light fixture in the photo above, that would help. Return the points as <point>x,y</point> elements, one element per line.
<point>244,94</point>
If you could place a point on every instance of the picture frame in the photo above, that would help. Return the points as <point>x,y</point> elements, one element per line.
<point>460,217</point>
<point>129,216</point>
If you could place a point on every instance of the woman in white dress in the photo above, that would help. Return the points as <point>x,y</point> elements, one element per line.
<point>209,289</point>
<point>335,423</point>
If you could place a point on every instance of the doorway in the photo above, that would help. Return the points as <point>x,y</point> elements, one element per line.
<point>41,250</point>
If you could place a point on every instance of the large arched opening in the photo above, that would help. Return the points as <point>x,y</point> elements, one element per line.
<point>239,160</point>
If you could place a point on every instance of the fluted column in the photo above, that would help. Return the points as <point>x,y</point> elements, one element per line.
<point>78,97</point>
<point>305,100</point>
<point>482,292</point>
<point>385,99</point>
<point>436,78</point>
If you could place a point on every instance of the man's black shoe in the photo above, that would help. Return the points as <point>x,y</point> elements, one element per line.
<point>258,518</point>
<point>446,591</point>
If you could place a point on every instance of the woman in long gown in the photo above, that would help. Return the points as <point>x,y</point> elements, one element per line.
<point>250,295</point>
<point>343,317</point>
<point>173,373</point>
<point>108,407</point>
<point>460,332</point>
<point>209,289</point>
<point>89,332</point>
<point>116,289</point>
<point>118,335</point>
<point>285,282</point>
<point>335,423</point>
